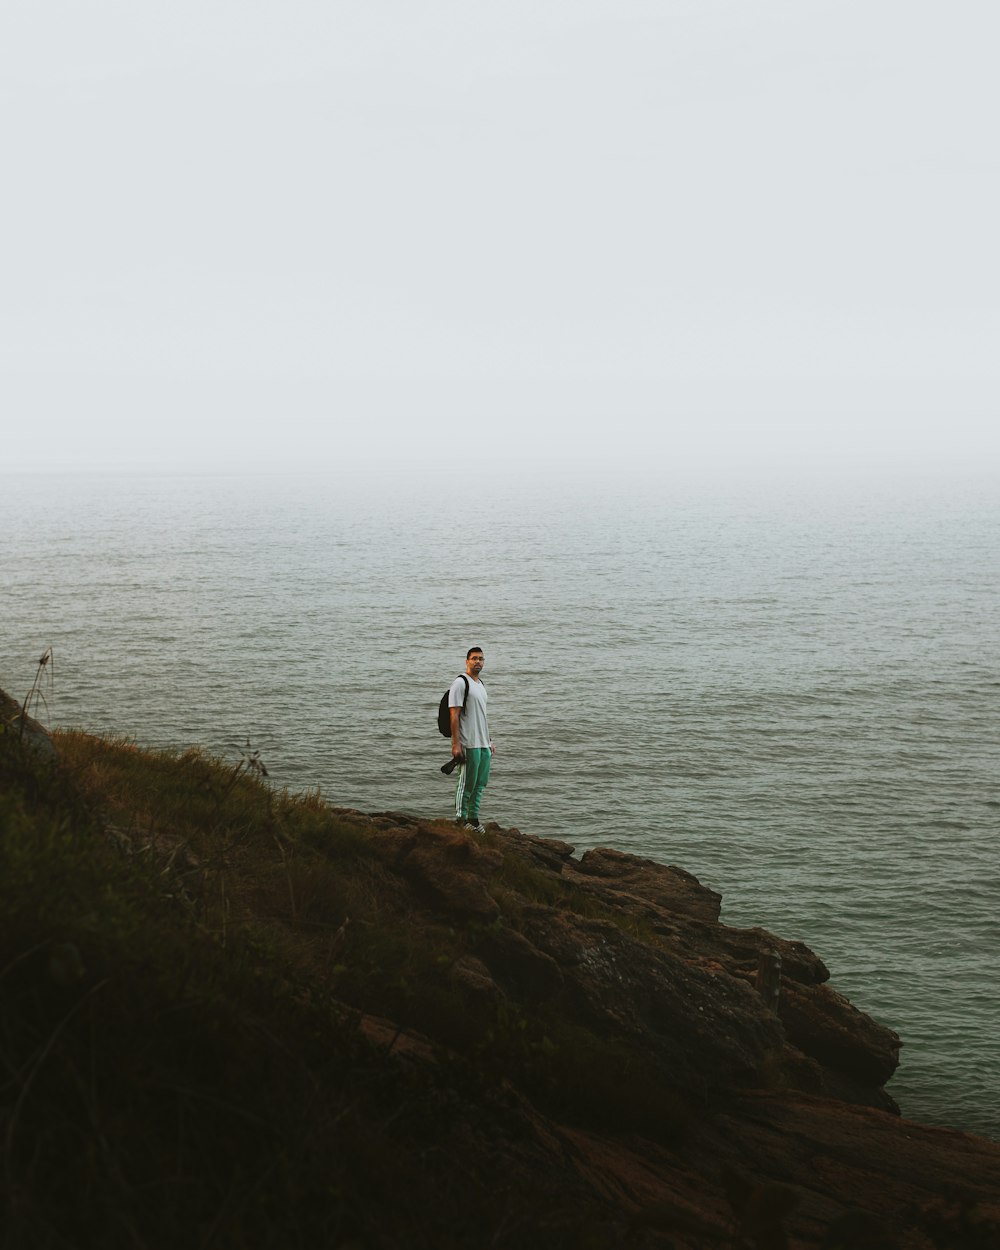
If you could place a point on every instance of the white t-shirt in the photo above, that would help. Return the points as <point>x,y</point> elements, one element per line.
<point>473,728</point>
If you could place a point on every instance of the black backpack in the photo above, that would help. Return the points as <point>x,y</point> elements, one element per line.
<point>444,711</point>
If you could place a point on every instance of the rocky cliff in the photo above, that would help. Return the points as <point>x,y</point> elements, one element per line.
<point>787,1135</point>
<point>238,1018</point>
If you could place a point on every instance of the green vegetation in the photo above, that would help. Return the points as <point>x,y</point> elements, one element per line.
<point>190,965</point>
<point>233,1019</point>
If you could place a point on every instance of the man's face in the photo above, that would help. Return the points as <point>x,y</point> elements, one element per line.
<point>474,664</point>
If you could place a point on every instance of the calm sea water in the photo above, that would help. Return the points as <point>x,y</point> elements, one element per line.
<point>790,690</point>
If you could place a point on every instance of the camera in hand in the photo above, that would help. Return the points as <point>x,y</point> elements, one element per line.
<point>452,764</point>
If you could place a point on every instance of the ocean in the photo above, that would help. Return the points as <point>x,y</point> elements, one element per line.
<point>786,687</point>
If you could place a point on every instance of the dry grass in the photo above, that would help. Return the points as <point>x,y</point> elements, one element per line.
<point>184,956</point>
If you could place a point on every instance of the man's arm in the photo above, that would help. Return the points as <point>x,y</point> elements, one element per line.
<point>456,741</point>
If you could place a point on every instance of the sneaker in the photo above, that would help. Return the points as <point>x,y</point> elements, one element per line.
<point>475,827</point>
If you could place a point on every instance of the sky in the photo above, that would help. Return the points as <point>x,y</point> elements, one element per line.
<point>671,233</point>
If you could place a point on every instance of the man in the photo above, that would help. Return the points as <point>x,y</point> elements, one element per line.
<point>470,739</point>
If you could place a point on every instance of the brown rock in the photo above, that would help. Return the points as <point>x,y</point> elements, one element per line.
<point>828,1028</point>
<point>447,865</point>
<point>472,975</point>
<point>669,888</point>
<point>547,852</point>
<point>16,722</point>
<point>693,1024</point>
<point>519,965</point>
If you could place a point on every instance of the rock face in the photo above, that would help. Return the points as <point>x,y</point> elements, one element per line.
<point>803,1148</point>
<point>684,996</point>
<point>15,721</point>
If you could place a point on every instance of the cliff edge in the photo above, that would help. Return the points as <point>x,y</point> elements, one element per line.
<point>232,1017</point>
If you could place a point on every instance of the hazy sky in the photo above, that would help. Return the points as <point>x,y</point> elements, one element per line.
<point>659,230</point>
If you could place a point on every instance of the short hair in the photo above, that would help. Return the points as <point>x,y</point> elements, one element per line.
<point>472,651</point>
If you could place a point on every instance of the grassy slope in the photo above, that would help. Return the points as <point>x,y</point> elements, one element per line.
<point>185,955</point>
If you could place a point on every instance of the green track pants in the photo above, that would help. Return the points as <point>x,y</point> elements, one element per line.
<point>471,779</point>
